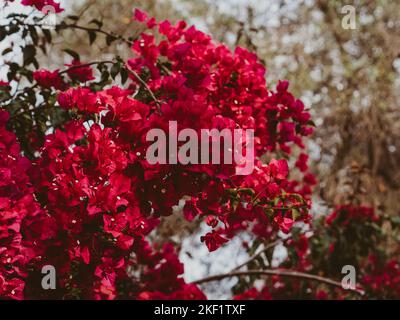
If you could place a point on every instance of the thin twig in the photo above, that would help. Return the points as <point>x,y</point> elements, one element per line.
<point>144,84</point>
<point>98,30</point>
<point>277,272</point>
<point>79,27</point>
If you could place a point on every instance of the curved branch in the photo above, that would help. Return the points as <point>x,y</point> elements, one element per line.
<point>144,84</point>
<point>277,272</point>
<point>63,26</point>
<point>98,30</point>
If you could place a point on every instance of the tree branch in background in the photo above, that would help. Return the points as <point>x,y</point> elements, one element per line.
<point>98,30</point>
<point>144,84</point>
<point>278,272</point>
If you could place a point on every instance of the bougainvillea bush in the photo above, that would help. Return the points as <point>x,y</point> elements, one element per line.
<point>77,192</point>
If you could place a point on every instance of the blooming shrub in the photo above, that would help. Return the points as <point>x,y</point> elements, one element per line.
<point>23,224</point>
<point>87,199</point>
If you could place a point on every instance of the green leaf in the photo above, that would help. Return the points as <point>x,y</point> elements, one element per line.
<point>3,33</point>
<point>47,35</point>
<point>311,123</point>
<point>34,34</point>
<point>248,191</point>
<point>269,212</point>
<point>124,75</point>
<point>29,53</point>
<point>298,197</point>
<point>92,36</point>
<point>295,214</point>
<point>13,29</point>
<point>115,69</point>
<point>27,73</point>
<point>5,51</point>
<point>73,54</point>
<point>104,76</point>
<point>110,39</point>
<point>13,69</point>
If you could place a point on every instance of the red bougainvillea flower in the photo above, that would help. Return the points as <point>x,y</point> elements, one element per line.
<point>345,214</point>
<point>81,99</point>
<point>139,15</point>
<point>190,210</point>
<point>213,240</point>
<point>79,72</point>
<point>383,279</point>
<point>163,276</point>
<point>48,79</point>
<point>301,162</point>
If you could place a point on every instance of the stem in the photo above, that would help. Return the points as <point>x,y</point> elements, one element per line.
<point>98,30</point>
<point>76,26</point>
<point>144,84</point>
<point>277,272</point>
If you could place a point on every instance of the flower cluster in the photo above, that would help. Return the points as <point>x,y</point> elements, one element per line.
<point>382,280</point>
<point>162,276</point>
<point>77,72</point>
<point>49,79</point>
<point>100,197</point>
<point>22,222</point>
<point>344,215</point>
